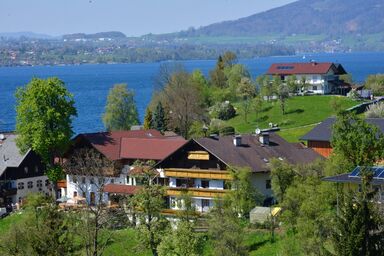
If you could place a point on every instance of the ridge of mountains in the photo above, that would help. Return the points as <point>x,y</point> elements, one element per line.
<point>310,17</point>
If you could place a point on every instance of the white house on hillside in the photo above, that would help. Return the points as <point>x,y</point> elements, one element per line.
<point>322,78</point>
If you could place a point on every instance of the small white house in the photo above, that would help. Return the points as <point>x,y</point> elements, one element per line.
<point>320,78</point>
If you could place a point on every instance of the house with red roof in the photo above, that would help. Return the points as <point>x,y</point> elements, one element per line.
<point>123,148</point>
<point>319,77</point>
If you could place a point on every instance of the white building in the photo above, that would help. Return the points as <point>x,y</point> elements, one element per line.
<point>321,78</point>
<point>123,148</point>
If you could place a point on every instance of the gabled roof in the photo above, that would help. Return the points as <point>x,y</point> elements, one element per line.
<point>138,144</point>
<point>255,155</point>
<point>10,155</point>
<point>323,131</point>
<point>304,68</point>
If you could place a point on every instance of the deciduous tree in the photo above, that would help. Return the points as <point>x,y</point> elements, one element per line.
<point>44,122</point>
<point>153,226</point>
<point>120,111</point>
<point>184,102</point>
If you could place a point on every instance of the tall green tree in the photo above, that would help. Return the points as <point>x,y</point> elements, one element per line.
<point>153,225</point>
<point>120,111</point>
<point>282,177</point>
<point>184,102</point>
<point>148,119</point>
<point>357,141</point>
<point>217,75</point>
<point>225,230</point>
<point>247,91</point>
<point>243,196</point>
<point>44,122</point>
<point>159,120</point>
<point>359,226</point>
<point>181,241</point>
<point>283,94</point>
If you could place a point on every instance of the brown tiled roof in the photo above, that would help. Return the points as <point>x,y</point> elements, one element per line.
<point>121,189</point>
<point>300,68</point>
<point>109,143</point>
<point>255,155</point>
<point>149,149</point>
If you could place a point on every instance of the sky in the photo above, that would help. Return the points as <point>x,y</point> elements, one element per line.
<point>132,17</point>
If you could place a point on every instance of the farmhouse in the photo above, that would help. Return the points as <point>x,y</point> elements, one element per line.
<point>202,166</point>
<point>198,166</point>
<point>123,149</point>
<point>319,78</point>
<point>20,174</point>
<point>319,138</point>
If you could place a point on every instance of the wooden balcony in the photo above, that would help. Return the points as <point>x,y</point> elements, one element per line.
<point>198,192</point>
<point>198,174</point>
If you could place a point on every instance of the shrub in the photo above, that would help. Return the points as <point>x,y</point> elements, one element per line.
<point>375,110</point>
<point>223,111</point>
<point>229,130</point>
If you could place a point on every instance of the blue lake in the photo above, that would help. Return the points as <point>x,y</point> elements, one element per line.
<point>90,83</point>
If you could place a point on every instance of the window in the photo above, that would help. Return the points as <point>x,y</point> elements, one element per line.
<point>92,181</point>
<point>182,183</point>
<point>26,169</point>
<point>74,193</point>
<point>39,183</point>
<point>83,180</point>
<point>30,184</point>
<point>46,183</point>
<point>74,179</point>
<point>314,87</point>
<point>112,181</point>
<point>20,185</point>
<point>268,184</point>
<point>204,203</point>
<point>205,183</point>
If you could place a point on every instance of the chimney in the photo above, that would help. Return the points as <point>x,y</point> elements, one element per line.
<point>264,138</point>
<point>237,140</point>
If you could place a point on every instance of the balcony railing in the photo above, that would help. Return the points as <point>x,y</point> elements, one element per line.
<point>199,192</point>
<point>198,173</point>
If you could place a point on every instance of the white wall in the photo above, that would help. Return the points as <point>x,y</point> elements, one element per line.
<point>259,182</point>
<point>22,193</point>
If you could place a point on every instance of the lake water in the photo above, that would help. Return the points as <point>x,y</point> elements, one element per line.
<point>90,83</point>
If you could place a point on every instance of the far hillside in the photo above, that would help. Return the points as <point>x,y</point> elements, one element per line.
<point>302,114</point>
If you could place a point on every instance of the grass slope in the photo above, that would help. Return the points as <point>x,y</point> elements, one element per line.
<point>302,114</point>
<point>125,241</point>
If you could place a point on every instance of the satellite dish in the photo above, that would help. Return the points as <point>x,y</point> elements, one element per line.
<point>257,131</point>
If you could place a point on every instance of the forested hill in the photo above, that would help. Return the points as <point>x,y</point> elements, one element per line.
<point>310,17</point>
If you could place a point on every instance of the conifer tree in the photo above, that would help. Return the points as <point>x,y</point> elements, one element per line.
<point>159,121</point>
<point>148,121</point>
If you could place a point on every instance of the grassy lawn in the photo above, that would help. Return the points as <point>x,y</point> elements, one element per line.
<point>125,241</point>
<point>300,111</point>
<point>8,221</point>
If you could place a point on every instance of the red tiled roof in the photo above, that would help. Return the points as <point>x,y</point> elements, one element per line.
<point>121,189</point>
<point>299,68</point>
<point>108,143</point>
<point>154,149</point>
